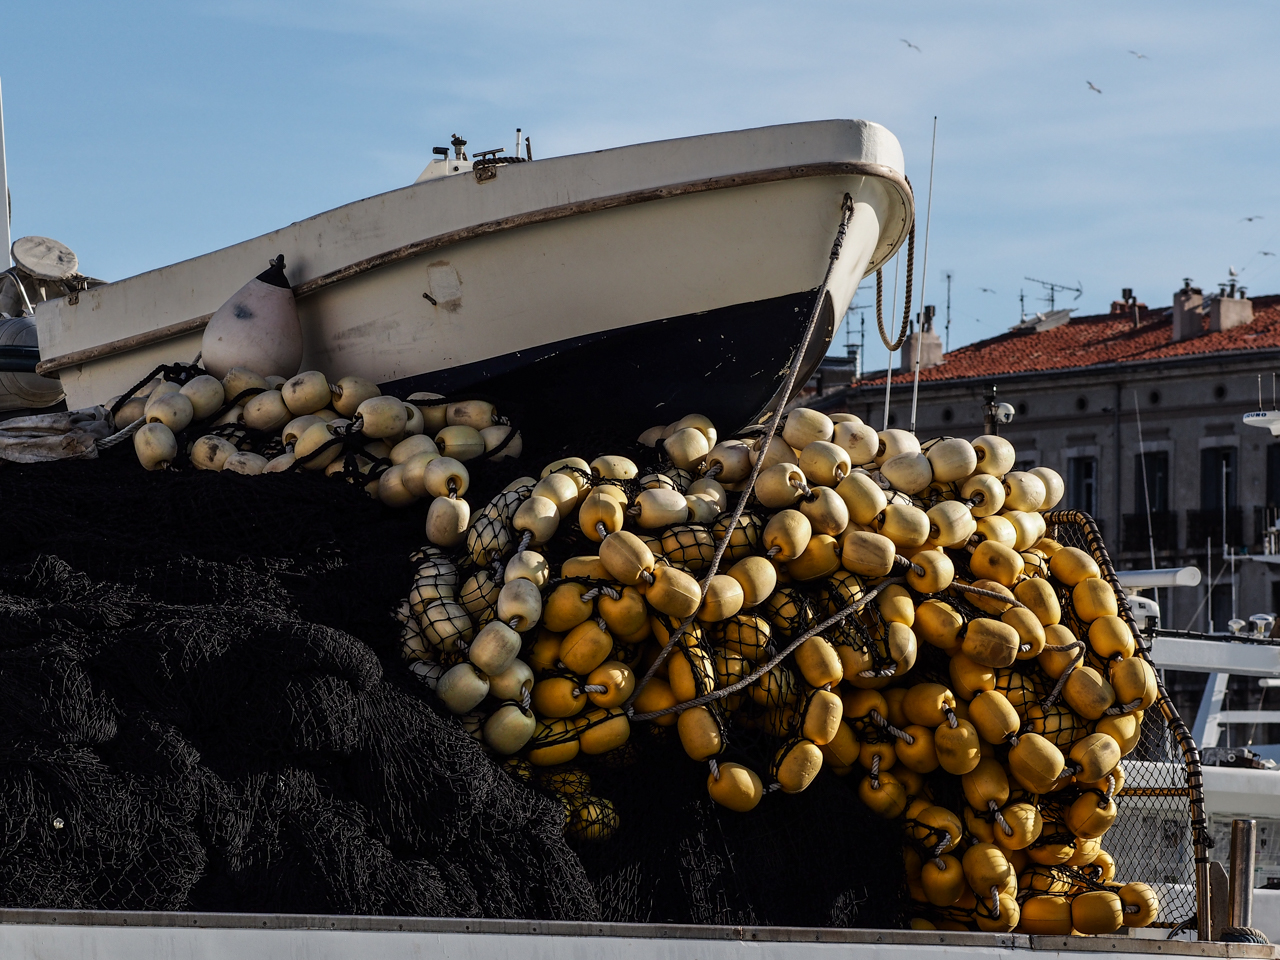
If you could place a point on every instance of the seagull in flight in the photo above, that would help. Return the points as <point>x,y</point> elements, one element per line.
<point>1092,87</point>
<point>1256,216</point>
<point>1140,56</point>
<point>1266,253</point>
<point>912,46</point>
<point>986,290</point>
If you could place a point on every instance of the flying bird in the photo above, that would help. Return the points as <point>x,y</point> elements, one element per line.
<point>1140,56</point>
<point>986,290</point>
<point>1256,216</point>
<point>1092,87</point>
<point>912,46</point>
<point>1266,253</point>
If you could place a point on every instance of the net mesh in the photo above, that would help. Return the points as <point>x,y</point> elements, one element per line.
<point>1152,837</point>
<point>205,708</point>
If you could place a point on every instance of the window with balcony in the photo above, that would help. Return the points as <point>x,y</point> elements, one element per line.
<point>1219,518</point>
<point>1082,484</point>
<point>1150,495</point>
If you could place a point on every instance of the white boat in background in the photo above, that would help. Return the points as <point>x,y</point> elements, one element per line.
<point>659,278</point>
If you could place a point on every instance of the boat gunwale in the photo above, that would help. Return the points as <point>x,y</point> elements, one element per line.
<point>416,248</point>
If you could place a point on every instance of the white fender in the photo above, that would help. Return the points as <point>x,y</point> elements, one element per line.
<point>257,328</point>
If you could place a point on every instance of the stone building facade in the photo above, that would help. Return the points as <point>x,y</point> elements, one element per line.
<point>1140,411</point>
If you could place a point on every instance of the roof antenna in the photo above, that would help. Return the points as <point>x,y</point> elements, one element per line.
<point>915,390</point>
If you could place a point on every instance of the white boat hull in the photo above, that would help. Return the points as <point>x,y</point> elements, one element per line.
<point>485,277</point>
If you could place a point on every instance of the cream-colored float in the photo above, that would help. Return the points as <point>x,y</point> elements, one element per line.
<point>256,328</point>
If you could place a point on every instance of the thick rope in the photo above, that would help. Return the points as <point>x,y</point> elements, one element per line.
<point>1078,659</point>
<point>793,374</point>
<point>983,592</point>
<point>906,307</point>
<point>888,727</point>
<point>1123,708</point>
<point>999,818</point>
<point>120,436</point>
<point>941,846</point>
<point>765,668</point>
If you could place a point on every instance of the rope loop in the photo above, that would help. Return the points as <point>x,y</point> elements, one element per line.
<point>893,345</point>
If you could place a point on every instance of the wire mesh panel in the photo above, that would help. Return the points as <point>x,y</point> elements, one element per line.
<point>1161,806</point>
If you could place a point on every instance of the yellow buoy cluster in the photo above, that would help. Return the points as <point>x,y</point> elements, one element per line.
<point>854,599</point>
<point>348,428</point>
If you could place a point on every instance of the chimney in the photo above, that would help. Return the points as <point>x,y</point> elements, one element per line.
<point>1230,308</point>
<point>1129,306</point>
<point>1188,312</point>
<point>926,342</point>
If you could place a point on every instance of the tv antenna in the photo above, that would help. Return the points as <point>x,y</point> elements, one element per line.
<point>1052,288</point>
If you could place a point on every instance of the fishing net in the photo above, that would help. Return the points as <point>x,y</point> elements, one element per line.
<point>1155,832</point>
<point>206,706</point>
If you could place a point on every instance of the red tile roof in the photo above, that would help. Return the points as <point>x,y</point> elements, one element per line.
<point>1103,339</point>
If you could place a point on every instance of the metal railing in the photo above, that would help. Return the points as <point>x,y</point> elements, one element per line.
<point>1206,525</point>
<point>1163,530</point>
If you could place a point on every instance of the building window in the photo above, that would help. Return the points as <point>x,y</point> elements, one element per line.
<point>1217,476</point>
<point>1154,397</point>
<point>1082,480</point>
<point>1219,392</point>
<point>947,414</point>
<point>1082,403</point>
<point>1273,475</point>
<point>1154,467</point>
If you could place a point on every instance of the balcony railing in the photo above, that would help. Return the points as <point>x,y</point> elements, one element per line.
<point>1164,530</point>
<point>1205,525</point>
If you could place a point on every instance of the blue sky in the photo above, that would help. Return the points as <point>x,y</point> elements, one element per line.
<point>145,133</point>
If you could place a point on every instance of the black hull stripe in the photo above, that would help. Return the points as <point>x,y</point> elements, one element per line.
<point>726,363</point>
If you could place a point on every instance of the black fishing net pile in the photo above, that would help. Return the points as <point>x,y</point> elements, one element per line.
<point>202,706</point>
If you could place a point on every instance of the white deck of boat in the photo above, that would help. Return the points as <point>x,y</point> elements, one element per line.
<point>81,935</point>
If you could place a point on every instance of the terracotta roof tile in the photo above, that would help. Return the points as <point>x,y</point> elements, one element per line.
<point>1102,339</point>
